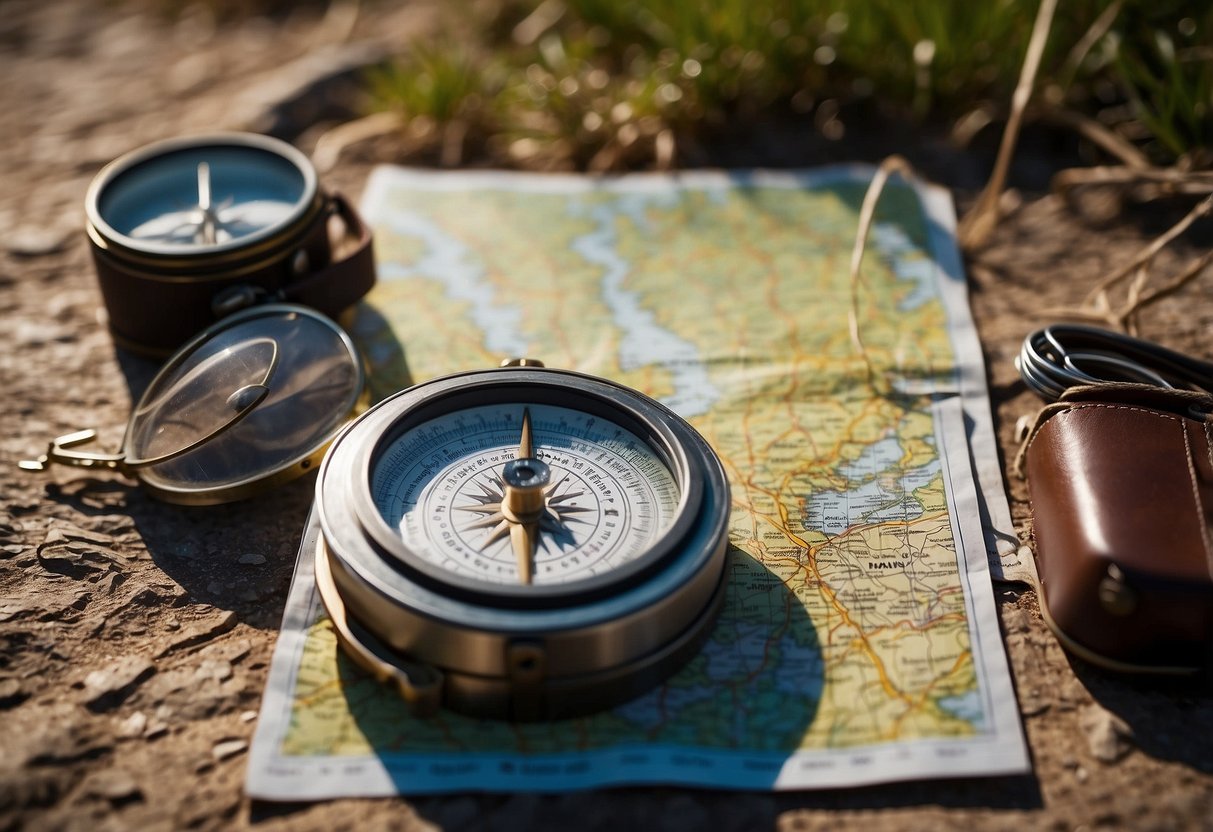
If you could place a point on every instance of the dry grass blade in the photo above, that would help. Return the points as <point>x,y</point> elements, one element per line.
<point>1147,253</point>
<point>1100,136</point>
<point>1092,36</point>
<point>867,212</point>
<point>980,221</point>
<point>332,142</point>
<point>1149,183</point>
<point>1097,306</point>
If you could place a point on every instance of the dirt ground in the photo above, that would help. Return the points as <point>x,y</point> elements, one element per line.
<point>135,636</point>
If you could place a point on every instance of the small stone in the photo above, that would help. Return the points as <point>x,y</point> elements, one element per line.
<point>228,748</point>
<point>252,559</point>
<point>220,671</point>
<point>201,631</point>
<point>133,726</point>
<point>11,693</point>
<point>62,532</point>
<point>1109,738</point>
<point>10,529</point>
<point>107,688</point>
<point>12,609</point>
<point>35,241</point>
<point>111,582</point>
<point>113,784</point>
<point>248,716</point>
<point>158,723</point>
<point>228,652</point>
<point>155,728</point>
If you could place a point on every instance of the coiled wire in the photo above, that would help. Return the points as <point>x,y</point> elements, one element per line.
<point>1062,356</point>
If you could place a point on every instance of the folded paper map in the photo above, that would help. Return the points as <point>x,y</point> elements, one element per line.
<point>858,642</point>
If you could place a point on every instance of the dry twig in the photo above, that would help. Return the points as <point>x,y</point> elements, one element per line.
<point>1098,307</point>
<point>867,212</point>
<point>980,221</point>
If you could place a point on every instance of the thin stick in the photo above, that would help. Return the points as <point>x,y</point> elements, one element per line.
<point>1186,276</point>
<point>979,222</point>
<point>1162,181</point>
<point>330,145</point>
<point>1098,135</point>
<point>1098,29</point>
<point>1147,253</point>
<point>867,211</point>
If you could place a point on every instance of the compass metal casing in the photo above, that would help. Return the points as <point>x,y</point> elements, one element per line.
<point>529,651</point>
<point>187,229</point>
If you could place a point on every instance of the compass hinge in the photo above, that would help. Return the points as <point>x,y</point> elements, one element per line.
<point>526,664</point>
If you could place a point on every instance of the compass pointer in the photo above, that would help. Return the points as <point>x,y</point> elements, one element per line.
<point>207,227</point>
<point>524,537</point>
<point>526,448</point>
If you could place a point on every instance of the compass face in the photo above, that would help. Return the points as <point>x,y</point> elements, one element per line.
<point>509,494</point>
<point>201,196</point>
<point>551,542</point>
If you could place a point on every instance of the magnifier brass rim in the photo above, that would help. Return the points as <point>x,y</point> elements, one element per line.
<point>127,248</point>
<point>669,438</point>
<point>255,484</point>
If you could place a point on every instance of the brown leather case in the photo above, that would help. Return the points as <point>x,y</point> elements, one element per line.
<point>1121,483</point>
<point>153,312</point>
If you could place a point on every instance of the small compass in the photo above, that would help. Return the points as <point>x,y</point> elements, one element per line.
<point>188,230</point>
<point>532,543</point>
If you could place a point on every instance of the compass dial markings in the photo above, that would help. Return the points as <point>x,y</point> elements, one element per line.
<point>594,518</point>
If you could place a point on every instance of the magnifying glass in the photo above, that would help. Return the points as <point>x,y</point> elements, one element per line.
<point>250,403</point>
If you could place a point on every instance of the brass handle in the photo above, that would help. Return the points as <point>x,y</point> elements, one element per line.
<point>420,685</point>
<point>59,451</point>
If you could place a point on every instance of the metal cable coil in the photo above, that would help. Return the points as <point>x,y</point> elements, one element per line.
<point>1062,356</point>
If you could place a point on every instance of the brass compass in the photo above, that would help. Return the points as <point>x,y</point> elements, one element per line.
<point>521,542</point>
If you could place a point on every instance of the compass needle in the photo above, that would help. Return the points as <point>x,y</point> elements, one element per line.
<point>207,224</point>
<point>524,536</point>
<point>526,448</point>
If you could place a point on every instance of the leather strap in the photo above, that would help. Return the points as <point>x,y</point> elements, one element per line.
<point>342,283</point>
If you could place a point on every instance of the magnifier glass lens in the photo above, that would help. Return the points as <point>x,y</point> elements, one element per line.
<point>250,400</point>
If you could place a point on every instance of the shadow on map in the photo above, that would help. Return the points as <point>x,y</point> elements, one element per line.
<point>730,716</point>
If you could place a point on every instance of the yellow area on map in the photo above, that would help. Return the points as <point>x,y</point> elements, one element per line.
<point>845,623</point>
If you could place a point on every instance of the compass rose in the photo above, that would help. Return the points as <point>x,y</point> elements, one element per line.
<point>522,502</point>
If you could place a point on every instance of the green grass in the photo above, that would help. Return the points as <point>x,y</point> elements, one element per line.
<point>602,84</point>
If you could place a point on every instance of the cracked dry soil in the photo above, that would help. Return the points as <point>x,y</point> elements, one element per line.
<point>135,636</point>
